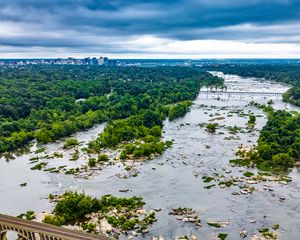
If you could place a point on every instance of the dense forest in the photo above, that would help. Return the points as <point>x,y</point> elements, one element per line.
<point>285,73</point>
<point>278,144</point>
<point>279,141</point>
<point>50,102</point>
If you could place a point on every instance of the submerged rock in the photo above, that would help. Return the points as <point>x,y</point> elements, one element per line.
<point>124,190</point>
<point>182,238</point>
<point>252,182</point>
<point>186,215</point>
<point>194,237</point>
<point>218,224</point>
<point>243,234</point>
<point>254,237</point>
<point>281,199</point>
<point>158,238</point>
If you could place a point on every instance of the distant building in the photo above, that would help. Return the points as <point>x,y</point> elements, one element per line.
<point>86,61</point>
<point>112,63</point>
<point>102,61</point>
<point>94,61</point>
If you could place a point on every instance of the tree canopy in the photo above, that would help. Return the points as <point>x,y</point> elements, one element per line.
<point>51,102</point>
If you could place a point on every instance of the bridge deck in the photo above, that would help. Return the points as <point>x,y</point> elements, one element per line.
<point>240,92</point>
<point>47,229</point>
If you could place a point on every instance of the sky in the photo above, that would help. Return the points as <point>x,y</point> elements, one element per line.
<point>150,29</point>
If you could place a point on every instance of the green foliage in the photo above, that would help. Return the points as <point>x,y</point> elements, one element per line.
<point>222,236</point>
<point>40,101</point>
<point>75,155</point>
<point>54,220</point>
<point>138,127</point>
<point>73,206</point>
<point>29,215</point>
<point>40,150</point>
<point>150,218</point>
<point>39,166</point>
<point>211,127</point>
<point>70,142</point>
<point>207,179</point>
<point>279,140</point>
<point>292,95</point>
<point>57,155</point>
<point>123,154</point>
<point>168,144</point>
<point>179,109</point>
<point>92,162</point>
<point>214,224</point>
<point>123,222</point>
<point>248,174</point>
<point>283,159</point>
<point>139,149</point>
<point>90,227</point>
<point>103,158</point>
<point>267,233</point>
<point>275,226</point>
<point>252,120</point>
<point>234,129</point>
<point>70,171</point>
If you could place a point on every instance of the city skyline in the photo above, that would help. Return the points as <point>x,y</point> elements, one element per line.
<point>186,29</point>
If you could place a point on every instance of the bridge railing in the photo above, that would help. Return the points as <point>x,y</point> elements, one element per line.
<point>31,230</point>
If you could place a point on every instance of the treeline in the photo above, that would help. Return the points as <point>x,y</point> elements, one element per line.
<point>278,147</point>
<point>179,109</point>
<point>292,95</point>
<point>284,73</point>
<point>50,102</point>
<point>279,141</point>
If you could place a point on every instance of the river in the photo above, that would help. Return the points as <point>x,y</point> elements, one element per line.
<point>174,179</point>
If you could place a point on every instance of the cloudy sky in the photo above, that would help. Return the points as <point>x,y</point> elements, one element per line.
<point>150,29</point>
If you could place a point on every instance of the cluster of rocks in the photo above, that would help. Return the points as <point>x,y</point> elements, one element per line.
<point>158,238</point>
<point>130,173</point>
<point>186,215</point>
<point>245,183</point>
<point>246,189</point>
<point>255,237</point>
<point>192,237</point>
<point>100,221</point>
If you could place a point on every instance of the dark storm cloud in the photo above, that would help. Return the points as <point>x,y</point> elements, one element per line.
<point>82,23</point>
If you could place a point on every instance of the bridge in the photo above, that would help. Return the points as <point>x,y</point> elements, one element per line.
<point>31,230</point>
<point>276,94</point>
